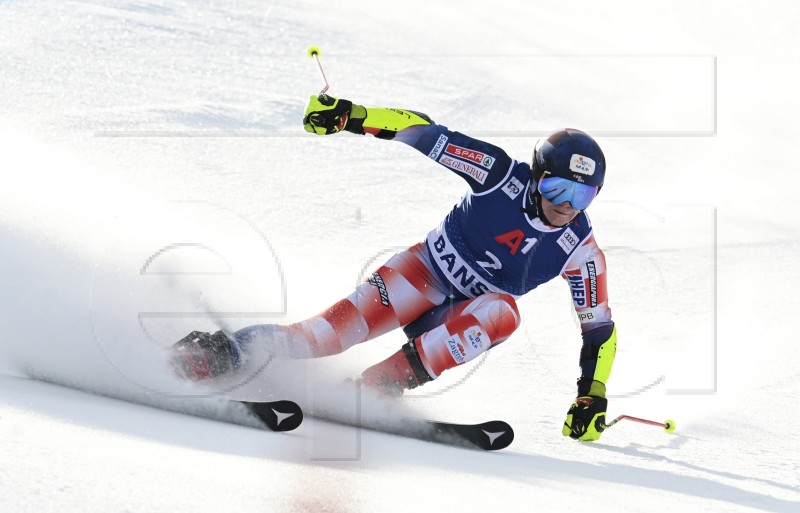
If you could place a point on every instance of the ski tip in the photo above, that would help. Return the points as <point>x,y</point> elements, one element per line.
<point>489,436</point>
<point>277,415</point>
<point>497,435</point>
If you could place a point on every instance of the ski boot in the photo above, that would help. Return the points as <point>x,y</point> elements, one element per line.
<point>201,355</point>
<point>400,372</point>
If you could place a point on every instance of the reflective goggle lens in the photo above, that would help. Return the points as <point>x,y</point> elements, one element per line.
<point>558,190</point>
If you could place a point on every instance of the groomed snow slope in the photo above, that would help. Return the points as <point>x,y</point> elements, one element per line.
<point>156,179</point>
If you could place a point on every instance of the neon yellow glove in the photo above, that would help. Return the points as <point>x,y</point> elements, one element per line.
<point>586,418</point>
<point>326,115</point>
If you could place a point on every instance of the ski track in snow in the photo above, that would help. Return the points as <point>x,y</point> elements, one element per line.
<point>156,174</point>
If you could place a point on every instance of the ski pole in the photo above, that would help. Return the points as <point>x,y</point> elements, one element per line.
<point>314,52</point>
<point>668,425</point>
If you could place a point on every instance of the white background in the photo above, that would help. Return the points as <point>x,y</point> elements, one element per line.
<point>155,174</point>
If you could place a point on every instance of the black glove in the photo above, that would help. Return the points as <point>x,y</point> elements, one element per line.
<point>586,418</point>
<point>326,115</point>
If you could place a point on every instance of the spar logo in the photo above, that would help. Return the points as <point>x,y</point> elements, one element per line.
<point>471,155</point>
<point>457,350</point>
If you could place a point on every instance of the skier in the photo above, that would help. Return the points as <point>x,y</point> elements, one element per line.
<point>517,227</point>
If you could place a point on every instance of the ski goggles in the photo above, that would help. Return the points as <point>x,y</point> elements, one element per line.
<point>558,190</point>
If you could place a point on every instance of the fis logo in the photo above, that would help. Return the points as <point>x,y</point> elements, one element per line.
<point>472,155</point>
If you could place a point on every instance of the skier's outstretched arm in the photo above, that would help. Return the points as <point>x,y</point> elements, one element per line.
<point>586,274</point>
<point>481,164</point>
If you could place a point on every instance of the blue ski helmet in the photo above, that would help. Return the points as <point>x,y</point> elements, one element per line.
<point>568,165</point>
<point>570,154</point>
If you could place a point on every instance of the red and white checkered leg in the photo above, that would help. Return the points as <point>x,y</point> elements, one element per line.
<point>475,326</point>
<point>396,294</point>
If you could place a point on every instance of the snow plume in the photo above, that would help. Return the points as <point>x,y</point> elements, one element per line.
<point>99,281</point>
<point>105,280</point>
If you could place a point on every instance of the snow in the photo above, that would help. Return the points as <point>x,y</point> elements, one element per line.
<point>157,180</point>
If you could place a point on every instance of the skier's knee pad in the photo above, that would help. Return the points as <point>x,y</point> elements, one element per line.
<point>497,313</point>
<point>475,327</point>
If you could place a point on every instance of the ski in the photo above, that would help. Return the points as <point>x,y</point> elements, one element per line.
<point>488,436</point>
<point>280,415</point>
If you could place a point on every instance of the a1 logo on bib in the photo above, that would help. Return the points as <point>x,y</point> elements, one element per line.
<point>580,164</point>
